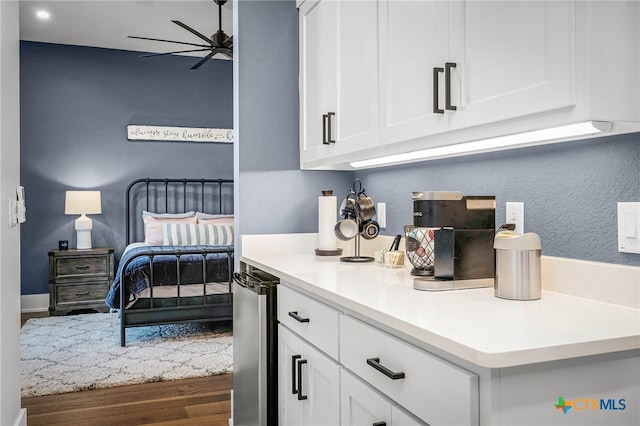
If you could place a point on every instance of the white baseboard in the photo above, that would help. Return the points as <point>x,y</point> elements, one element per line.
<point>34,303</point>
<point>21,420</point>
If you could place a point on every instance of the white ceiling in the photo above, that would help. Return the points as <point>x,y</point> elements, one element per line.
<point>108,23</point>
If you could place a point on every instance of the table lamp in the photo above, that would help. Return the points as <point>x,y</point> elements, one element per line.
<point>83,203</point>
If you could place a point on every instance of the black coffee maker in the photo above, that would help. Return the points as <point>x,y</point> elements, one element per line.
<point>461,230</point>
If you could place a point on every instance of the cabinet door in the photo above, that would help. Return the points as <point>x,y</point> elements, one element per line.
<point>318,40</point>
<point>514,58</point>
<point>413,41</point>
<point>308,383</point>
<point>361,405</point>
<point>290,348</point>
<point>357,55</point>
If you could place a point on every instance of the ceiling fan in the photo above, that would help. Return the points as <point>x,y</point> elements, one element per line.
<point>217,43</point>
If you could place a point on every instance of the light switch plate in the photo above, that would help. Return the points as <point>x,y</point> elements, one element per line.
<point>381,212</point>
<point>629,227</point>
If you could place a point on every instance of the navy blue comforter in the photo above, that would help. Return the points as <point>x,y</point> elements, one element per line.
<point>137,276</point>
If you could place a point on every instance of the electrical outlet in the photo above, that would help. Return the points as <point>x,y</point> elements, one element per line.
<point>515,214</point>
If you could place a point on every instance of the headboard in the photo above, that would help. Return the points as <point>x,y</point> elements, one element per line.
<point>169,195</point>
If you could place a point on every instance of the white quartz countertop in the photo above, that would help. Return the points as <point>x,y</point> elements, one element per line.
<point>471,324</point>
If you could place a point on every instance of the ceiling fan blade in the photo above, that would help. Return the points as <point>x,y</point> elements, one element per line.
<point>149,55</point>
<point>203,60</point>
<point>168,41</point>
<point>192,31</point>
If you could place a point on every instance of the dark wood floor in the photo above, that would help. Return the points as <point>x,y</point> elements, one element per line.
<point>202,401</point>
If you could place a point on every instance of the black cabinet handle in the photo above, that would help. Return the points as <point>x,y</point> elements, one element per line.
<point>375,363</point>
<point>300,395</point>
<point>293,373</point>
<point>379,424</point>
<point>82,266</point>
<point>436,107</point>
<point>447,88</point>
<point>82,294</point>
<point>295,316</point>
<point>325,140</point>
<point>330,133</point>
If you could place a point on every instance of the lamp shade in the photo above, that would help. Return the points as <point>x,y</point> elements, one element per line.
<point>82,202</point>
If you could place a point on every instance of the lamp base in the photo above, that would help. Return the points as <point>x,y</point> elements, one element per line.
<point>84,225</point>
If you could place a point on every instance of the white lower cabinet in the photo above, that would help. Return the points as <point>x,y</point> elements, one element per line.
<point>308,383</point>
<point>361,405</point>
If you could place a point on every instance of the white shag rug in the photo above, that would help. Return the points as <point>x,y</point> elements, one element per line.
<point>82,352</point>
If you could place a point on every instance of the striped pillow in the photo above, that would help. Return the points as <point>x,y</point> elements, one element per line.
<point>186,234</point>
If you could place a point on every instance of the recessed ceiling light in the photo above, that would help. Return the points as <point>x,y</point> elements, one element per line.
<point>43,14</point>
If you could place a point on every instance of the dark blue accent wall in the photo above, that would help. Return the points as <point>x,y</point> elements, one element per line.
<point>75,105</point>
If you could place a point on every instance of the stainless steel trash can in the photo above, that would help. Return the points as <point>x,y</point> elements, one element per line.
<point>517,266</point>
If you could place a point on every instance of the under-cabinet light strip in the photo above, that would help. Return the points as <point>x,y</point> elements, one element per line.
<point>487,145</point>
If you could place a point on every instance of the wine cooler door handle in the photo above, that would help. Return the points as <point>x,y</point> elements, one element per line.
<point>293,373</point>
<point>447,88</point>
<point>300,395</point>
<point>436,106</point>
<point>375,363</point>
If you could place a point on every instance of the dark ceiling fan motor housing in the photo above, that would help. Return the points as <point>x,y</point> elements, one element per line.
<point>218,43</point>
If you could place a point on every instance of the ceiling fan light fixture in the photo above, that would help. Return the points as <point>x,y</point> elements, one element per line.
<point>219,44</point>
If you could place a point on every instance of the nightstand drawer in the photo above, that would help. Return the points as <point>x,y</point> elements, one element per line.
<point>89,265</point>
<point>89,292</point>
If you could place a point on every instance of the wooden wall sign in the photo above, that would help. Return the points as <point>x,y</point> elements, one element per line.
<point>178,134</point>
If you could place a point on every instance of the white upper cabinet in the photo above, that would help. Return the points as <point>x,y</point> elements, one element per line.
<point>413,41</point>
<point>450,65</point>
<point>339,77</point>
<point>514,58</point>
<point>411,75</point>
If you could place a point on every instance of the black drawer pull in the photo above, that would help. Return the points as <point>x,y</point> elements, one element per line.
<point>329,131</point>
<point>380,424</point>
<point>82,294</point>
<point>300,395</point>
<point>295,316</point>
<point>325,140</point>
<point>293,373</point>
<point>82,266</point>
<point>375,363</point>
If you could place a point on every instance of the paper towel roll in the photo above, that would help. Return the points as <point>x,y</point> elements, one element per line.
<point>327,217</point>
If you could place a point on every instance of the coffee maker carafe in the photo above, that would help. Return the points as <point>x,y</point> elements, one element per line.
<point>455,234</point>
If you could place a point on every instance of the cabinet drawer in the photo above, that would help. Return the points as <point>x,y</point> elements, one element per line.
<point>89,265</point>
<point>429,385</point>
<point>88,292</point>
<point>313,320</point>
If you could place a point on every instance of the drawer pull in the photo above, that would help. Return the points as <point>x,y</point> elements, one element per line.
<point>380,424</point>
<point>436,103</point>
<point>375,363</point>
<point>293,373</point>
<point>82,266</point>
<point>85,293</point>
<point>295,316</point>
<point>300,395</point>
<point>447,79</point>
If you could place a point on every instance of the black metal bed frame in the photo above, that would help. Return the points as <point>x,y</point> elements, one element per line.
<point>210,308</point>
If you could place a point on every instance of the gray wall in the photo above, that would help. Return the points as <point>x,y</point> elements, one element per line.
<point>75,105</point>
<point>272,194</point>
<point>569,191</point>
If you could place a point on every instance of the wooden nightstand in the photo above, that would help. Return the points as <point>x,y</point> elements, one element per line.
<point>79,279</point>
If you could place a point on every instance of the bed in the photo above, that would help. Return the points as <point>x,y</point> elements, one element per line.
<point>178,261</point>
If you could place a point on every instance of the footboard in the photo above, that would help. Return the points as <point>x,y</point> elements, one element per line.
<point>184,301</point>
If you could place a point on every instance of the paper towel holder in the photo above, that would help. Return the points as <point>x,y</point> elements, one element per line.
<point>337,251</point>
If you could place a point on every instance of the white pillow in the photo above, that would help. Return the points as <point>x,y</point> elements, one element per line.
<point>215,219</point>
<point>186,234</point>
<point>153,224</point>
